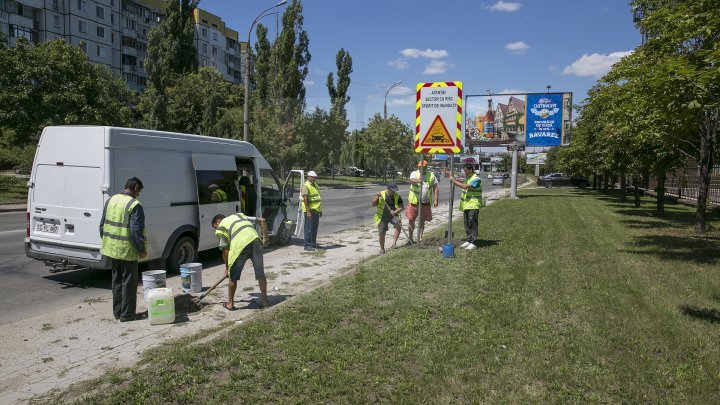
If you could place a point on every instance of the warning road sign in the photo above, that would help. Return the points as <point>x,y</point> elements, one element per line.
<point>438,135</point>
<point>438,117</point>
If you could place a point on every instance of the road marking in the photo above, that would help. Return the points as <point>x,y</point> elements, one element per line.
<point>11,232</point>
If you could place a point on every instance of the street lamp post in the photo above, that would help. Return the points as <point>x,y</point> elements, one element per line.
<point>246,107</point>
<point>386,94</point>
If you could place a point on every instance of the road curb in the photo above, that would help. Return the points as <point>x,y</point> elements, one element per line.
<point>13,207</point>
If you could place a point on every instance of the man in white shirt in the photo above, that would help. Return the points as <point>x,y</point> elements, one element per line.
<point>416,198</point>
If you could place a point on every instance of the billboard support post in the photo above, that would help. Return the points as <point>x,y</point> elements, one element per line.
<point>513,177</point>
<point>452,197</point>
<point>420,226</point>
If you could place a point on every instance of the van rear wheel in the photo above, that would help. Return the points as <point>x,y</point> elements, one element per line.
<point>184,251</point>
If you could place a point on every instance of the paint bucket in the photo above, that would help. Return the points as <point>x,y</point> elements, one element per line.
<point>152,279</point>
<point>448,250</point>
<point>191,277</point>
<point>161,306</point>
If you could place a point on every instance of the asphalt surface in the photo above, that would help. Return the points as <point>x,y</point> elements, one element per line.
<point>29,288</point>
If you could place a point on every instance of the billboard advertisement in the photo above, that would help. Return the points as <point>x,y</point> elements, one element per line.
<point>532,119</point>
<point>536,158</point>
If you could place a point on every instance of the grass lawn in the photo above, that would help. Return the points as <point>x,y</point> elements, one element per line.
<point>352,181</point>
<point>12,189</point>
<point>573,297</point>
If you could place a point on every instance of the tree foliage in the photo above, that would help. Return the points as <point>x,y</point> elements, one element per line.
<point>53,83</point>
<point>337,91</point>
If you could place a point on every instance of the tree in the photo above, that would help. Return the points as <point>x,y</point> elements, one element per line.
<point>386,143</point>
<point>171,54</point>
<point>275,117</point>
<point>53,83</point>
<point>338,98</point>
<point>171,48</point>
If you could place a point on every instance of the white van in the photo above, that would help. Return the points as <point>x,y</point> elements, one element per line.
<point>77,168</point>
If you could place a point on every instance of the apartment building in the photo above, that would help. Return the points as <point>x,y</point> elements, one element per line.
<point>113,33</point>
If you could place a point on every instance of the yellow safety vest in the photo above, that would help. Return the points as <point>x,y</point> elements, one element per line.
<point>413,195</point>
<point>471,197</point>
<point>218,196</point>
<point>237,231</point>
<point>381,205</point>
<point>314,198</point>
<point>116,241</point>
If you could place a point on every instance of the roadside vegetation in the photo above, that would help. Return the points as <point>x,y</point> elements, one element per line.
<point>12,189</point>
<point>573,297</point>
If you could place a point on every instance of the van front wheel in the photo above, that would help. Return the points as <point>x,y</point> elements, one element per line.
<point>184,251</point>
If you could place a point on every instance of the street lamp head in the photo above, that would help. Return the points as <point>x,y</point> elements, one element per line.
<point>281,3</point>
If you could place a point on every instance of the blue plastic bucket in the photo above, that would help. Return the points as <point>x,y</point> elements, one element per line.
<point>448,250</point>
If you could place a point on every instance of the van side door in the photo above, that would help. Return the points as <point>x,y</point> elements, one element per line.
<point>216,181</point>
<point>292,198</point>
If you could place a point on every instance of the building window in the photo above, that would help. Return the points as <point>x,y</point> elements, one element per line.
<point>204,62</point>
<point>130,24</point>
<point>83,46</point>
<point>101,52</point>
<point>101,32</point>
<point>204,48</point>
<point>204,32</point>
<point>56,4</point>
<point>214,51</point>
<point>20,9</point>
<point>112,18</point>
<point>142,64</point>
<point>56,21</point>
<point>100,12</point>
<point>214,25</point>
<point>82,27</point>
<point>204,21</point>
<point>214,36</point>
<point>80,5</point>
<point>17,31</point>
<point>112,38</point>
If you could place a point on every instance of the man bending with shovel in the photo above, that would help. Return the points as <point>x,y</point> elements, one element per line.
<point>239,241</point>
<point>389,204</point>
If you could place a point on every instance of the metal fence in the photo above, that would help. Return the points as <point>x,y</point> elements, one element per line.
<point>684,183</point>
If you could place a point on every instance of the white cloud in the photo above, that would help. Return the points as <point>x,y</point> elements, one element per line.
<point>409,100</point>
<point>309,82</point>
<point>399,63</point>
<point>401,91</point>
<point>596,64</point>
<point>505,6</point>
<point>428,53</point>
<point>436,67</point>
<point>518,47</point>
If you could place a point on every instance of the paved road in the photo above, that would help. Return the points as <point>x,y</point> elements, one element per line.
<point>28,288</point>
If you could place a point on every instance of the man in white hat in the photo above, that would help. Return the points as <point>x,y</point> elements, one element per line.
<point>312,207</point>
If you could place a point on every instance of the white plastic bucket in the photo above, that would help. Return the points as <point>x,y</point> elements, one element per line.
<point>191,277</point>
<point>161,306</point>
<point>152,279</point>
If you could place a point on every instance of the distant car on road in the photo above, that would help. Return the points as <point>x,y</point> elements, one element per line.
<point>498,181</point>
<point>490,176</point>
<point>563,180</point>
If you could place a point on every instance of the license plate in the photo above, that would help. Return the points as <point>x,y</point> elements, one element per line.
<point>47,228</point>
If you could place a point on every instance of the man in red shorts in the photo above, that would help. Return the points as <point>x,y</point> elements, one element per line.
<point>429,186</point>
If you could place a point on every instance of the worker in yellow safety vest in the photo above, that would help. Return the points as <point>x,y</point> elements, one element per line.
<point>122,229</point>
<point>312,207</point>
<point>470,203</point>
<point>217,194</point>
<point>429,187</point>
<point>239,241</point>
<point>389,204</point>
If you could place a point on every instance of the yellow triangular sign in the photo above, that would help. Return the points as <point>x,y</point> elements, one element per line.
<point>437,135</point>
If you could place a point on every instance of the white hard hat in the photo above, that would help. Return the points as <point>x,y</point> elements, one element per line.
<point>312,173</point>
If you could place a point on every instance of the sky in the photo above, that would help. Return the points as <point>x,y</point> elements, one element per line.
<point>504,46</point>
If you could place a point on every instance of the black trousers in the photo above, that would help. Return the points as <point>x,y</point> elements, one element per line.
<point>470,218</point>
<point>124,288</point>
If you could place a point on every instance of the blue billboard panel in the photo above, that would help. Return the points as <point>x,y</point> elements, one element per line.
<point>544,119</point>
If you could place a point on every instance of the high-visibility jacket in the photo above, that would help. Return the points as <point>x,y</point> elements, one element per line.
<point>314,199</point>
<point>471,197</point>
<point>243,197</point>
<point>116,240</point>
<point>218,196</point>
<point>381,205</point>
<point>415,188</point>
<point>237,231</point>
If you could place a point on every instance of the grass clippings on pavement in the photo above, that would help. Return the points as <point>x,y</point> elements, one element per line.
<point>573,297</point>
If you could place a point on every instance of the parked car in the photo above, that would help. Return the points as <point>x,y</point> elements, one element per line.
<point>354,171</point>
<point>563,180</point>
<point>498,181</point>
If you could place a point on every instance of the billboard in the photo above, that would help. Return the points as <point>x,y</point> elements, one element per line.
<point>532,119</point>
<point>536,158</point>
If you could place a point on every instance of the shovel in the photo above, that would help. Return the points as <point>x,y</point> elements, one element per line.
<point>197,300</point>
<point>401,227</point>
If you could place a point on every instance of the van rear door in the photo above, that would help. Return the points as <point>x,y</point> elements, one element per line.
<point>292,198</point>
<point>66,207</point>
<point>216,179</point>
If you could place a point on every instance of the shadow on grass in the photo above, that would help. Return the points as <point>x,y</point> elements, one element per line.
<point>679,248</point>
<point>705,314</point>
<point>634,223</point>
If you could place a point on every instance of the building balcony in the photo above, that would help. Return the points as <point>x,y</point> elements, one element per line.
<point>15,19</point>
<point>129,50</point>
